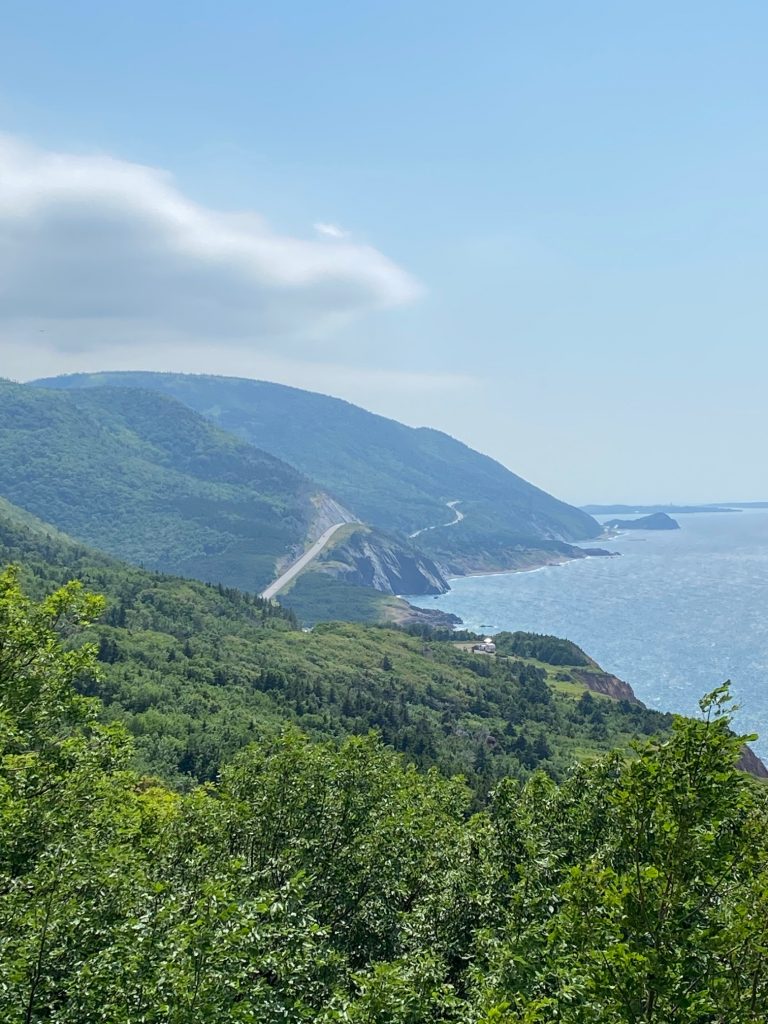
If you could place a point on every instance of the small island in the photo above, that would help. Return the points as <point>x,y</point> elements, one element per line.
<point>656,521</point>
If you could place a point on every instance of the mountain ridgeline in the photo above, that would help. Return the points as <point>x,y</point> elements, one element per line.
<point>391,476</point>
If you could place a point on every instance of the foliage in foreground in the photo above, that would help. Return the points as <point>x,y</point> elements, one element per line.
<point>329,883</point>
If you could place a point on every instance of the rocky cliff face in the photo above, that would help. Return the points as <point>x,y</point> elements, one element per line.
<point>369,558</point>
<point>750,762</point>
<point>612,686</point>
<point>604,682</point>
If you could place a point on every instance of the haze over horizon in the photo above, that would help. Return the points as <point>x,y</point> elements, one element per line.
<point>545,234</point>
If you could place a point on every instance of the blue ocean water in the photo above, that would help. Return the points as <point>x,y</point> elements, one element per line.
<point>677,614</point>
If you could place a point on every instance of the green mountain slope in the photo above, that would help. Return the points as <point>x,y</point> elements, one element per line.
<point>392,476</point>
<point>145,478</point>
<point>197,672</point>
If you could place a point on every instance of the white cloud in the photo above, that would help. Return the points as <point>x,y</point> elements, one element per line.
<point>99,253</point>
<point>330,230</point>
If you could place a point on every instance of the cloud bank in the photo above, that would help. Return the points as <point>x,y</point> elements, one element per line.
<point>98,252</point>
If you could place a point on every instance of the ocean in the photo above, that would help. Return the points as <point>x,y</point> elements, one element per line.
<point>675,615</point>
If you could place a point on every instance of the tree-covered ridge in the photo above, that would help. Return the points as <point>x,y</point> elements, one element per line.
<point>392,476</point>
<point>136,597</point>
<point>197,672</point>
<point>335,883</point>
<point>143,477</point>
<point>553,650</point>
<point>316,597</point>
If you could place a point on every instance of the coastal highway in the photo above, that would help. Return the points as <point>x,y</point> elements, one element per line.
<point>457,517</point>
<point>302,562</point>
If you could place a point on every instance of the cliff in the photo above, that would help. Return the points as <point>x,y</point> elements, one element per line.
<point>605,683</point>
<point>750,762</point>
<point>515,558</point>
<point>610,685</point>
<point>370,558</point>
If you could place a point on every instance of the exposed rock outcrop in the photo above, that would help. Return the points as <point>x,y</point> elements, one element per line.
<point>604,682</point>
<point>369,558</point>
<point>750,762</point>
<point>408,615</point>
<point>612,686</point>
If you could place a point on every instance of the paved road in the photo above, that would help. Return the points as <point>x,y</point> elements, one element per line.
<point>302,562</point>
<point>458,516</point>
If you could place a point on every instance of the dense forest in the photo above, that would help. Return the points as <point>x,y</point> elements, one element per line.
<point>146,479</point>
<point>335,882</point>
<point>196,672</point>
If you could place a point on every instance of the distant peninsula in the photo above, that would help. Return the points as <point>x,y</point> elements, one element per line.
<point>655,521</point>
<point>607,510</point>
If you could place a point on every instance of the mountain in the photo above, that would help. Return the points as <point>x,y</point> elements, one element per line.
<point>397,478</point>
<point>144,478</point>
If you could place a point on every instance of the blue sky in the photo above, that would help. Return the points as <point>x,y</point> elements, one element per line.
<point>542,227</point>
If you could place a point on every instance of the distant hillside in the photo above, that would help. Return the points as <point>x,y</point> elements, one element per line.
<point>607,510</point>
<point>145,478</point>
<point>197,671</point>
<point>392,476</point>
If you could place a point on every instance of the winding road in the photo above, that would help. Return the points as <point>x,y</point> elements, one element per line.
<point>293,571</point>
<point>458,516</point>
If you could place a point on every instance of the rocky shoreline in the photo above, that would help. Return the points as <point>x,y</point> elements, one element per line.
<point>537,560</point>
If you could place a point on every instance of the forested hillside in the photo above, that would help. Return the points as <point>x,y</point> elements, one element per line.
<point>143,477</point>
<point>392,476</point>
<point>196,672</point>
<point>334,883</point>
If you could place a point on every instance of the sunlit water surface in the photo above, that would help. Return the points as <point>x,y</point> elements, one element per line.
<point>679,612</point>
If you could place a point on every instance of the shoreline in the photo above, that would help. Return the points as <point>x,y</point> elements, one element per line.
<point>668,669</point>
<point>511,572</point>
<point>534,567</point>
